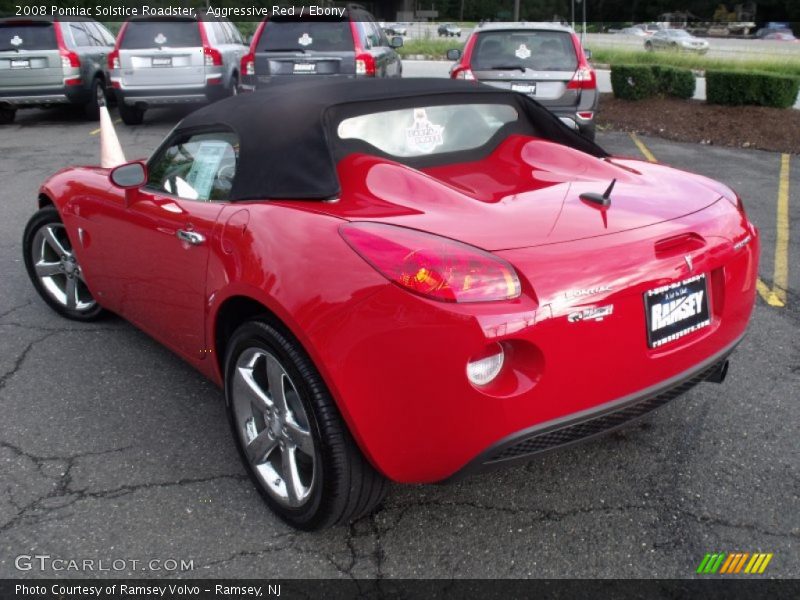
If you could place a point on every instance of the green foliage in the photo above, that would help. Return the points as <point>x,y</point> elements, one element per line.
<point>633,82</point>
<point>761,89</point>
<point>435,48</point>
<point>672,81</point>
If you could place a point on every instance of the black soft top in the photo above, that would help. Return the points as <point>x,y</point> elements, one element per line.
<point>284,130</point>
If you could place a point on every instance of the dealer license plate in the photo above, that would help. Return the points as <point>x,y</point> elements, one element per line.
<point>20,64</point>
<point>524,88</point>
<point>304,67</point>
<point>162,62</point>
<point>676,310</point>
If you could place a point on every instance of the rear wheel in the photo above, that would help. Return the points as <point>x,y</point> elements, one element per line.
<point>131,115</point>
<point>54,269</point>
<point>7,115</point>
<point>648,46</point>
<point>96,99</point>
<point>292,440</point>
<point>234,91</point>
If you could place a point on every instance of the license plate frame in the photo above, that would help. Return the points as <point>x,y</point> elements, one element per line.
<point>305,68</point>
<point>20,63</point>
<point>161,61</point>
<point>680,310</point>
<point>524,88</point>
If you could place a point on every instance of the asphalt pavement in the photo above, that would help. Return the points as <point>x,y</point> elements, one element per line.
<point>111,447</point>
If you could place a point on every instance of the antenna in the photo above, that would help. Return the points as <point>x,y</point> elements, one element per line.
<point>604,200</point>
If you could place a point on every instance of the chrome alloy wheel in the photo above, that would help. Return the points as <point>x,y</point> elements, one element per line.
<point>273,427</point>
<point>58,270</point>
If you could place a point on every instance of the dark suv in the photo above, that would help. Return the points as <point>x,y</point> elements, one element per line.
<point>543,60</point>
<point>44,62</point>
<point>352,45</point>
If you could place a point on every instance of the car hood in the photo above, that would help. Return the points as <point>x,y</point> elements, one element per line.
<point>527,193</point>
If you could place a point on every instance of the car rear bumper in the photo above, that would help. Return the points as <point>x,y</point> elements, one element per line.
<point>521,446</point>
<point>24,98</point>
<point>157,97</point>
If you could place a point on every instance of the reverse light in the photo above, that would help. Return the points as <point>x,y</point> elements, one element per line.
<point>432,266</point>
<point>365,64</point>
<point>463,73</point>
<point>113,59</point>
<point>584,79</point>
<point>484,370</point>
<point>248,66</point>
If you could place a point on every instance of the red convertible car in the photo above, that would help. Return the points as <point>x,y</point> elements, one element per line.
<point>406,280</point>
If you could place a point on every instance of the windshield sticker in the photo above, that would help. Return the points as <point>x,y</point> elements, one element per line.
<point>523,52</point>
<point>424,136</point>
<point>160,39</point>
<point>305,40</point>
<point>205,167</point>
<point>16,40</point>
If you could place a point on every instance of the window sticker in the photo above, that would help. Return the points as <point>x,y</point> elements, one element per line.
<point>305,40</point>
<point>205,167</point>
<point>424,136</point>
<point>523,52</point>
<point>160,39</point>
<point>16,41</point>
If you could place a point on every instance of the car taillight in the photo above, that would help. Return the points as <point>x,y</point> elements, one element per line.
<point>113,59</point>
<point>365,64</point>
<point>584,79</point>
<point>69,59</point>
<point>248,66</point>
<point>463,73</point>
<point>433,266</point>
<point>213,58</point>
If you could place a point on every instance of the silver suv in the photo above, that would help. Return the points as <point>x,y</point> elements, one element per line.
<point>543,60</point>
<point>44,62</point>
<point>173,61</point>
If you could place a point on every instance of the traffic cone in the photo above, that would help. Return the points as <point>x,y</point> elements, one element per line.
<point>111,154</point>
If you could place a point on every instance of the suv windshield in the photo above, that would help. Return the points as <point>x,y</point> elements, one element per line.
<point>528,49</point>
<point>27,36</point>
<point>299,36</point>
<point>427,130</point>
<point>155,34</point>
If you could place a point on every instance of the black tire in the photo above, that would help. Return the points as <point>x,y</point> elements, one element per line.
<point>234,91</point>
<point>130,115</point>
<point>7,115</point>
<point>589,131</point>
<point>48,216</point>
<point>345,486</point>
<point>92,107</point>
<point>648,46</point>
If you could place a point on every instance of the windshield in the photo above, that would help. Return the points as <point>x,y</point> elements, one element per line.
<point>157,34</point>
<point>679,34</point>
<point>27,36</point>
<point>300,36</point>
<point>536,50</point>
<point>428,130</point>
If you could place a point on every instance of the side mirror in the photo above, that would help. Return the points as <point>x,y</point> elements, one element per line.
<point>453,54</point>
<point>587,53</point>
<point>396,42</point>
<point>129,176</point>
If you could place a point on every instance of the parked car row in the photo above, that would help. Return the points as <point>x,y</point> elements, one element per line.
<point>158,61</point>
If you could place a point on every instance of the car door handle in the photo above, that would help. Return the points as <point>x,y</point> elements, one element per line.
<point>190,237</point>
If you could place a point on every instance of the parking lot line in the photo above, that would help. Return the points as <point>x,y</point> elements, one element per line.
<point>775,296</point>
<point>780,277</point>
<point>96,131</point>
<point>642,148</point>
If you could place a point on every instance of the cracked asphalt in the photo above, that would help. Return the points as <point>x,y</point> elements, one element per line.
<point>111,447</point>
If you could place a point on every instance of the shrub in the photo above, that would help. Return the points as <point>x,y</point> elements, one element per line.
<point>672,81</point>
<point>761,89</point>
<point>633,82</point>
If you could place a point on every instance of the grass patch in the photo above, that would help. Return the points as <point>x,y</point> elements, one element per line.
<point>435,48</point>
<point>789,67</point>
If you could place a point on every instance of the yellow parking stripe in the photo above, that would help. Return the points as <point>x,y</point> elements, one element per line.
<point>642,148</point>
<point>780,277</point>
<point>96,131</point>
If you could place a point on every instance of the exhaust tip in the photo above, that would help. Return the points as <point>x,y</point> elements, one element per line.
<point>719,374</point>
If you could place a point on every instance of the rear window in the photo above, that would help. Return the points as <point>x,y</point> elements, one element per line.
<point>27,36</point>
<point>157,34</point>
<point>536,50</point>
<point>317,36</point>
<point>429,130</point>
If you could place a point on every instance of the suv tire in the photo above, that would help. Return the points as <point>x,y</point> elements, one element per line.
<point>7,115</point>
<point>131,115</point>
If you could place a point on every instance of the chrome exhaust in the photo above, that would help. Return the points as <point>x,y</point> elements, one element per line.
<point>719,373</point>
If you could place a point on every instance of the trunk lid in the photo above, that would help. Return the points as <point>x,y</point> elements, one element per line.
<point>29,56</point>
<point>158,53</point>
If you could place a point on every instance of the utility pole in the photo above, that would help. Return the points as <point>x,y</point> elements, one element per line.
<point>516,10</point>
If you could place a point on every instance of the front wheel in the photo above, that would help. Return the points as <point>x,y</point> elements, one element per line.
<point>291,438</point>
<point>54,269</point>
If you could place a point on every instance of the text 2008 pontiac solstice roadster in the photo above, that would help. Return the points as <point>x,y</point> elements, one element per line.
<point>405,280</point>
